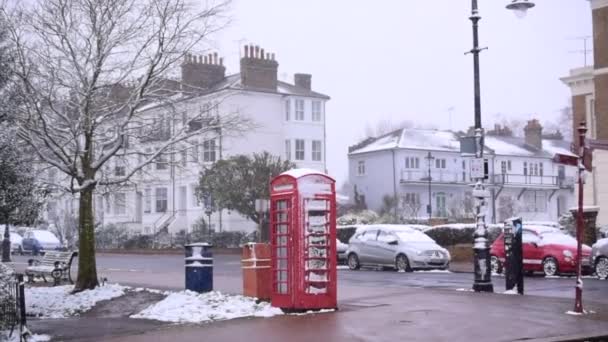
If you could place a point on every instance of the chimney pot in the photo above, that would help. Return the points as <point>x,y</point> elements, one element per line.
<point>221,61</point>
<point>246,51</point>
<point>205,60</point>
<point>215,58</point>
<point>262,53</point>
<point>257,52</point>
<point>302,81</point>
<point>272,56</point>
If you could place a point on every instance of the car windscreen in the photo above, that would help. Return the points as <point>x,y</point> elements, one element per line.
<point>413,236</point>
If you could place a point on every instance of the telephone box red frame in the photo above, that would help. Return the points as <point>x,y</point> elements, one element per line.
<point>303,241</point>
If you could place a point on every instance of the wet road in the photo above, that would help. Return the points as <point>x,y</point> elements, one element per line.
<point>167,272</point>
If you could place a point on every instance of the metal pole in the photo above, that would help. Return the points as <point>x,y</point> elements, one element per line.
<point>6,244</point>
<point>430,206</point>
<point>578,303</point>
<point>483,279</point>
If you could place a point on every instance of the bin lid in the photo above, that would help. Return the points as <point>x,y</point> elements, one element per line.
<point>199,244</point>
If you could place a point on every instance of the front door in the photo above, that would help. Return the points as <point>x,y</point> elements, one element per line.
<point>182,200</point>
<point>138,206</point>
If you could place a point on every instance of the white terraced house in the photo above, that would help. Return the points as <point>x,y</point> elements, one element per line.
<point>288,119</point>
<point>424,169</point>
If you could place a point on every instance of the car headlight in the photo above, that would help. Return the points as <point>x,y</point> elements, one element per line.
<point>568,254</point>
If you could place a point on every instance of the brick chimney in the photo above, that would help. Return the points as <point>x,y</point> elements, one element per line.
<point>302,81</point>
<point>259,69</point>
<point>202,72</point>
<point>534,134</point>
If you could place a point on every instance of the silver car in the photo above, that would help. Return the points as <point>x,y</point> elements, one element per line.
<point>599,255</point>
<point>397,246</point>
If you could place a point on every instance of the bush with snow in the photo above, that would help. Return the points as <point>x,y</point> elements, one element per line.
<point>460,233</point>
<point>58,302</point>
<point>361,217</point>
<point>192,307</point>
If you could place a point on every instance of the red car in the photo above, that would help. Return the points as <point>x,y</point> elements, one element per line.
<point>546,250</point>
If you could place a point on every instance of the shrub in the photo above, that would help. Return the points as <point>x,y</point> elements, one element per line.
<point>454,234</point>
<point>361,217</point>
<point>138,242</point>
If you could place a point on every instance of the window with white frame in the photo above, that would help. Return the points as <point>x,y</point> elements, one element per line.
<point>147,200</point>
<point>161,199</point>
<point>535,201</point>
<point>119,170</point>
<point>300,110</point>
<point>120,203</point>
<point>161,162</point>
<point>287,110</point>
<point>288,149</point>
<point>440,163</point>
<point>316,150</point>
<point>209,150</point>
<point>183,155</point>
<point>194,152</point>
<point>300,149</point>
<point>411,199</point>
<point>316,111</point>
<point>412,163</point>
<point>361,167</point>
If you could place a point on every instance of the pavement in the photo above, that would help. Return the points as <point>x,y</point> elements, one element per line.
<point>406,314</point>
<point>373,306</point>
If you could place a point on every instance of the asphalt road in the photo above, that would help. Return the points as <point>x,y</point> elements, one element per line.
<point>167,272</point>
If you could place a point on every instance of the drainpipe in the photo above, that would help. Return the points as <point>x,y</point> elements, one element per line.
<point>394,187</point>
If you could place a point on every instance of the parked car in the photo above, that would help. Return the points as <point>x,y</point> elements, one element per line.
<point>16,241</point>
<point>398,246</point>
<point>341,249</point>
<point>599,256</point>
<point>37,241</point>
<point>546,249</point>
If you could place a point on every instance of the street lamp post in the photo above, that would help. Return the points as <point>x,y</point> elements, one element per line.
<point>483,280</point>
<point>429,208</point>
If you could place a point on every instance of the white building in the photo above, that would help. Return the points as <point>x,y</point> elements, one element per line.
<point>288,119</point>
<point>522,177</point>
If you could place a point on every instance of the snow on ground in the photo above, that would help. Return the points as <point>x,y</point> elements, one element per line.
<point>433,271</point>
<point>312,312</point>
<point>57,302</point>
<point>4,336</point>
<point>464,290</point>
<point>192,307</point>
<point>511,292</point>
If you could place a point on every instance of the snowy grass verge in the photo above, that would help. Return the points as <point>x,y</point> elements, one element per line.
<point>585,312</point>
<point>4,336</point>
<point>192,307</point>
<point>57,302</point>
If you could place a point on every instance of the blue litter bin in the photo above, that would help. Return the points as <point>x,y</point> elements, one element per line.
<point>199,267</point>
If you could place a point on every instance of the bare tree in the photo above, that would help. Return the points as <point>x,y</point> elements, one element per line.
<point>95,90</point>
<point>384,127</point>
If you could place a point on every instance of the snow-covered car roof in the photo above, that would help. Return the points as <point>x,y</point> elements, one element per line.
<point>558,238</point>
<point>538,229</point>
<point>601,243</point>
<point>463,226</point>
<point>542,223</point>
<point>15,238</point>
<point>386,227</point>
<point>45,236</point>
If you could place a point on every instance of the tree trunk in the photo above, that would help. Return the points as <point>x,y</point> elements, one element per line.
<point>87,269</point>
<point>6,243</point>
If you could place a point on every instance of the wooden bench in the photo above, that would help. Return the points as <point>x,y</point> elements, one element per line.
<point>54,263</point>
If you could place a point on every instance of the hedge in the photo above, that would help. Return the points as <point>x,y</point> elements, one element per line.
<point>454,234</point>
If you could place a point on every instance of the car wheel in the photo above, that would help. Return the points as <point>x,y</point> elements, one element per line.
<point>495,264</point>
<point>353,261</point>
<point>550,267</point>
<point>402,264</point>
<point>601,267</point>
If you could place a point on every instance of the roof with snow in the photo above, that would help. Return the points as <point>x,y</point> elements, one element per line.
<point>283,88</point>
<point>448,141</point>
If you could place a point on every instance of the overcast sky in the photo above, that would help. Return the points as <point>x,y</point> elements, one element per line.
<point>404,59</point>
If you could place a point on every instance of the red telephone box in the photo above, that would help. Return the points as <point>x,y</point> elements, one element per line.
<point>303,240</point>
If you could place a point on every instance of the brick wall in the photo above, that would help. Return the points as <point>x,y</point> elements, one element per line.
<point>579,113</point>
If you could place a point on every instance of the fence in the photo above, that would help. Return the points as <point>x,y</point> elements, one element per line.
<point>12,306</point>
